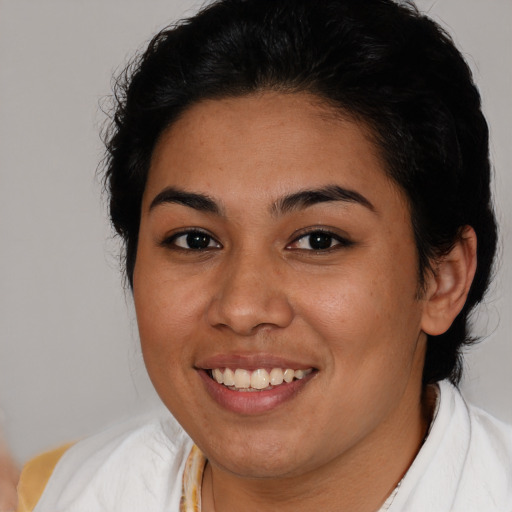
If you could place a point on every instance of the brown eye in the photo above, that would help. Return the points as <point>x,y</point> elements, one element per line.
<point>193,241</point>
<point>319,241</point>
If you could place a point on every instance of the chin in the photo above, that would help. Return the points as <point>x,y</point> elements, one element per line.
<point>258,458</point>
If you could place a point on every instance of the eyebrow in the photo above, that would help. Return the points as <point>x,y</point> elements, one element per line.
<point>305,198</point>
<point>200,202</point>
<point>296,201</point>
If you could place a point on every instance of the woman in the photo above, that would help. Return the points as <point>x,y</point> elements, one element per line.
<point>303,191</point>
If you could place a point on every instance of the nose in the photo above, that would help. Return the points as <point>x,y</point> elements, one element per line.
<point>250,295</point>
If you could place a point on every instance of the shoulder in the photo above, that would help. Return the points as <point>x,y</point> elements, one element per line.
<point>465,464</point>
<point>126,467</point>
<point>487,439</point>
<point>487,475</point>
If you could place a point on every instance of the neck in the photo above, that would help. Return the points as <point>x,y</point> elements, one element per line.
<point>359,479</point>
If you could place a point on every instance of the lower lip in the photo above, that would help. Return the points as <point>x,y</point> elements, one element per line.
<point>253,402</point>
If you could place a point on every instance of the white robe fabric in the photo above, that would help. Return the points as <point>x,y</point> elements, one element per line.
<point>465,465</point>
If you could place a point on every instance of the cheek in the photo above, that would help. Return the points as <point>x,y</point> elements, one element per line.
<point>169,312</point>
<point>366,311</point>
<point>167,317</point>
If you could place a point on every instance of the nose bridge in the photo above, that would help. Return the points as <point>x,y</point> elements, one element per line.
<point>250,293</point>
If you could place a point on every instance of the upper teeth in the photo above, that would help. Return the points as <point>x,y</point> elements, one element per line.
<point>257,379</point>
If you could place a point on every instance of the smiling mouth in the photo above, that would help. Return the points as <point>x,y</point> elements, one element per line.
<point>261,379</point>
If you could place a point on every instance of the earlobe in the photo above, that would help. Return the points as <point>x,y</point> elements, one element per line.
<point>448,286</point>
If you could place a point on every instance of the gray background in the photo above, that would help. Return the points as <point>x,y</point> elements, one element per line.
<point>69,356</point>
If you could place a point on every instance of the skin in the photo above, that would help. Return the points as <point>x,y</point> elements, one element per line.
<point>352,312</point>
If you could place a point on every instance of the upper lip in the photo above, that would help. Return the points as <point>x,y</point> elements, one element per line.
<point>253,361</point>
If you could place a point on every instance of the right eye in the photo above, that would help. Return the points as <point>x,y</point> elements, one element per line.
<point>192,241</point>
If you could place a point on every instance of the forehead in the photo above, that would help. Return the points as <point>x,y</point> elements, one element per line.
<point>264,146</point>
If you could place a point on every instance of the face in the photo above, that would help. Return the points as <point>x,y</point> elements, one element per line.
<point>276,285</point>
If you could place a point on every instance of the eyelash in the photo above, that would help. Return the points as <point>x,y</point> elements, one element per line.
<point>171,241</point>
<point>341,242</point>
<point>329,236</point>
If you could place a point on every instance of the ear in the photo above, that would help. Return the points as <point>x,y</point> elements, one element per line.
<point>448,285</point>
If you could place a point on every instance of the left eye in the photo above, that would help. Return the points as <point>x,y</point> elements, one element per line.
<point>194,241</point>
<point>318,241</point>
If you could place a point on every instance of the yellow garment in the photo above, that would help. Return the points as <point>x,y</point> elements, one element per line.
<point>35,476</point>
